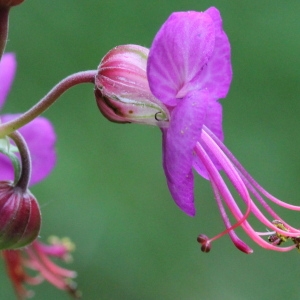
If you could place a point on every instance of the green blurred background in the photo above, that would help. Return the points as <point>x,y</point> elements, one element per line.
<point>108,191</point>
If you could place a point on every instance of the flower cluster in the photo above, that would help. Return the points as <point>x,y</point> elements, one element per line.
<point>175,85</point>
<point>20,214</point>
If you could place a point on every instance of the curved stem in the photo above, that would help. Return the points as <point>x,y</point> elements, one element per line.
<point>25,175</point>
<point>4,12</point>
<point>47,101</point>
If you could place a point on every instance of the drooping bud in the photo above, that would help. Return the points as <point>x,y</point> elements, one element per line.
<point>122,90</point>
<point>20,217</point>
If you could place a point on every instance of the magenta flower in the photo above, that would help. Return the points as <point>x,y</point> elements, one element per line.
<point>188,70</point>
<point>39,134</point>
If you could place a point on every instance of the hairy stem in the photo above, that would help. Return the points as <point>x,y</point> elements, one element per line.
<point>47,101</point>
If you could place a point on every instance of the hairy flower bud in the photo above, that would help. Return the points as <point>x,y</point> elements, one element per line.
<point>122,90</point>
<point>20,217</point>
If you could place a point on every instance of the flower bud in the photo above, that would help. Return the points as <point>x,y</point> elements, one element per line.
<point>122,90</point>
<point>20,217</point>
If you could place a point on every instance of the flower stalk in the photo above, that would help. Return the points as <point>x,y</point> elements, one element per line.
<point>22,181</point>
<point>20,213</point>
<point>70,81</point>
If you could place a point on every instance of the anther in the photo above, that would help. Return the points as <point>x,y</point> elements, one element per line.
<point>205,242</point>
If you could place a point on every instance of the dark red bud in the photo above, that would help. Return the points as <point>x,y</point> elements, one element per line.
<point>20,217</point>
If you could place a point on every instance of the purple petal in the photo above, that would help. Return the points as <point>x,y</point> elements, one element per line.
<point>213,121</point>
<point>8,67</point>
<point>179,141</point>
<point>183,194</point>
<point>217,74</point>
<point>180,49</point>
<point>40,137</point>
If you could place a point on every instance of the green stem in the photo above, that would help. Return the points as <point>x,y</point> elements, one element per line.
<point>74,79</point>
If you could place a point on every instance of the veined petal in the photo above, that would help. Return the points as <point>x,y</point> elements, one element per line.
<point>217,74</point>
<point>213,121</point>
<point>183,194</point>
<point>40,137</point>
<point>179,141</point>
<point>183,133</point>
<point>8,67</point>
<point>178,53</point>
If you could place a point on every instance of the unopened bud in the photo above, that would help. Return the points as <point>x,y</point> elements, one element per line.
<point>20,217</point>
<point>122,90</point>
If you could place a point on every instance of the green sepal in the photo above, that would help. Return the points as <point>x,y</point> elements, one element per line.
<point>9,150</point>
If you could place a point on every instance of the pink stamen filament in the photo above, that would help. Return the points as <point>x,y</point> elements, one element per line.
<point>237,177</point>
<point>267,207</point>
<point>220,186</point>
<point>241,245</point>
<point>58,250</point>
<point>251,184</point>
<point>51,272</point>
<point>249,178</point>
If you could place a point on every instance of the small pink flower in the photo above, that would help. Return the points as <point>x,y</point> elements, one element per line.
<point>37,258</point>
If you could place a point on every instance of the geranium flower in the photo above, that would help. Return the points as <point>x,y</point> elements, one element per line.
<point>40,137</point>
<point>189,70</point>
